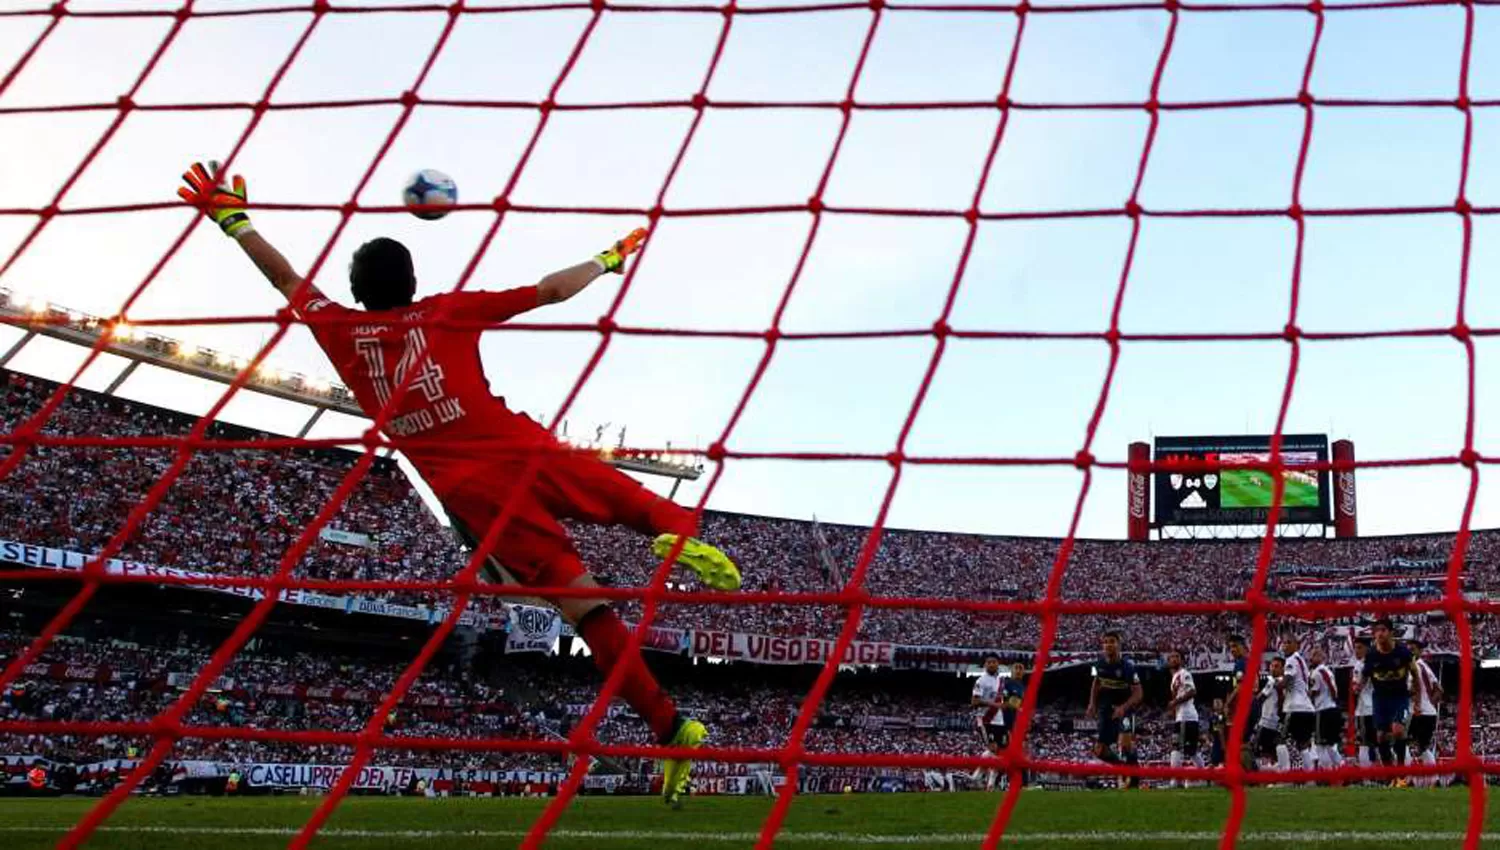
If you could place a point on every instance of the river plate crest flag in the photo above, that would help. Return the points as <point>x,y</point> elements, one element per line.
<point>532,629</point>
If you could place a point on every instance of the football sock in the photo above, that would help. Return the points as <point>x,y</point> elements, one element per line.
<point>1283,758</point>
<point>1330,756</point>
<point>1431,780</point>
<point>1132,759</point>
<point>1399,745</point>
<point>1309,759</point>
<point>1176,761</point>
<point>1364,756</point>
<point>1387,757</point>
<point>606,634</point>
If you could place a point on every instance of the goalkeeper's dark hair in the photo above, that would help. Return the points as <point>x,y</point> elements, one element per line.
<point>381,275</point>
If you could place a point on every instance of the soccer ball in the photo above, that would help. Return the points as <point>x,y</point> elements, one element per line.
<point>432,188</point>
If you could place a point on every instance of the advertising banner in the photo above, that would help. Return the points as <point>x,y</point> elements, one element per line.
<point>764,649</point>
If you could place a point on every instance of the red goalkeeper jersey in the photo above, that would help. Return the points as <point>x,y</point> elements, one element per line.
<point>448,397</point>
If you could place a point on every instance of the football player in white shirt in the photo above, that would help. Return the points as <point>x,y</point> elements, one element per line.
<point>1268,744</point>
<point>1325,694</point>
<point>989,698</point>
<point>1364,703</point>
<point>1182,708</point>
<point>1301,720</point>
<point>1424,711</point>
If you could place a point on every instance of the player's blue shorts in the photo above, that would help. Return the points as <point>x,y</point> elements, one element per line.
<point>1389,709</point>
<point>1111,728</point>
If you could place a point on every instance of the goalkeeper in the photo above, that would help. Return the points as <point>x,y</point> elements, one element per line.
<point>432,381</point>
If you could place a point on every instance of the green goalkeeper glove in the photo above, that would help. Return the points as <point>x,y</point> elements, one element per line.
<point>205,189</point>
<point>613,260</point>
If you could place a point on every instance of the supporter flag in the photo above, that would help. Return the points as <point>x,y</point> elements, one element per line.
<point>833,577</point>
<point>532,629</point>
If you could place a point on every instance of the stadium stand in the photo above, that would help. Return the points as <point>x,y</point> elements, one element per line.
<point>233,513</point>
<point>747,705</point>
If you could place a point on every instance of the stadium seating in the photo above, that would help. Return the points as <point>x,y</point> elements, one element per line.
<point>260,692</point>
<point>236,512</point>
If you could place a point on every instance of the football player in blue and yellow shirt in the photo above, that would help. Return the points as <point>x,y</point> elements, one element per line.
<point>1388,669</point>
<point>1116,693</point>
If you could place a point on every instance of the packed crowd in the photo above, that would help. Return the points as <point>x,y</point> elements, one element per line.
<point>120,682</point>
<point>537,700</point>
<point>237,512</point>
<point>787,556</point>
<point>231,512</point>
<point>756,714</point>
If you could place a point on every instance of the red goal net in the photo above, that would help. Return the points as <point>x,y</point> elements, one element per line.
<point>941,330</point>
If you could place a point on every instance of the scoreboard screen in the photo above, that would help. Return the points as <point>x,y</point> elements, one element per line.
<point>1240,496</point>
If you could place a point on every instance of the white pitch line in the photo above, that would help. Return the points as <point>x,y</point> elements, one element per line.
<point>861,839</point>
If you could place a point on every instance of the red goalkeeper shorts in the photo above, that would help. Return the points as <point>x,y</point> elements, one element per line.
<point>533,545</point>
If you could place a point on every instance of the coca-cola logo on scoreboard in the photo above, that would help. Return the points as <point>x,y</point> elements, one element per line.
<point>1346,493</point>
<point>1137,496</point>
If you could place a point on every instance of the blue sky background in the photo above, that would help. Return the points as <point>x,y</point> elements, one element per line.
<point>1393,398</point>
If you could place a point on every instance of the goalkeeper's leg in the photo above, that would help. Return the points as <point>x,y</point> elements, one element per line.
<point>608,638</point>
<point>585,488</point>
<point>535,550</point>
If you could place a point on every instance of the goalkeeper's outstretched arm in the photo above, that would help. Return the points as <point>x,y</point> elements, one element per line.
<point>272,264</point>
<point>565,283</point>
<point>224,204</point>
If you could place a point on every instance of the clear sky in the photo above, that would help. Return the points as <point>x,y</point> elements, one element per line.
<point>1393,398</point>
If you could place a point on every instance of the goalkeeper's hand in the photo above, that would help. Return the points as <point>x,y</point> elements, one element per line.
<point>205,189</point>
<point>613,260</point>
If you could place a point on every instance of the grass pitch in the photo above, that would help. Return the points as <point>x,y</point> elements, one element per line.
<point>1251,488</point>
<point>1345,818</point>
